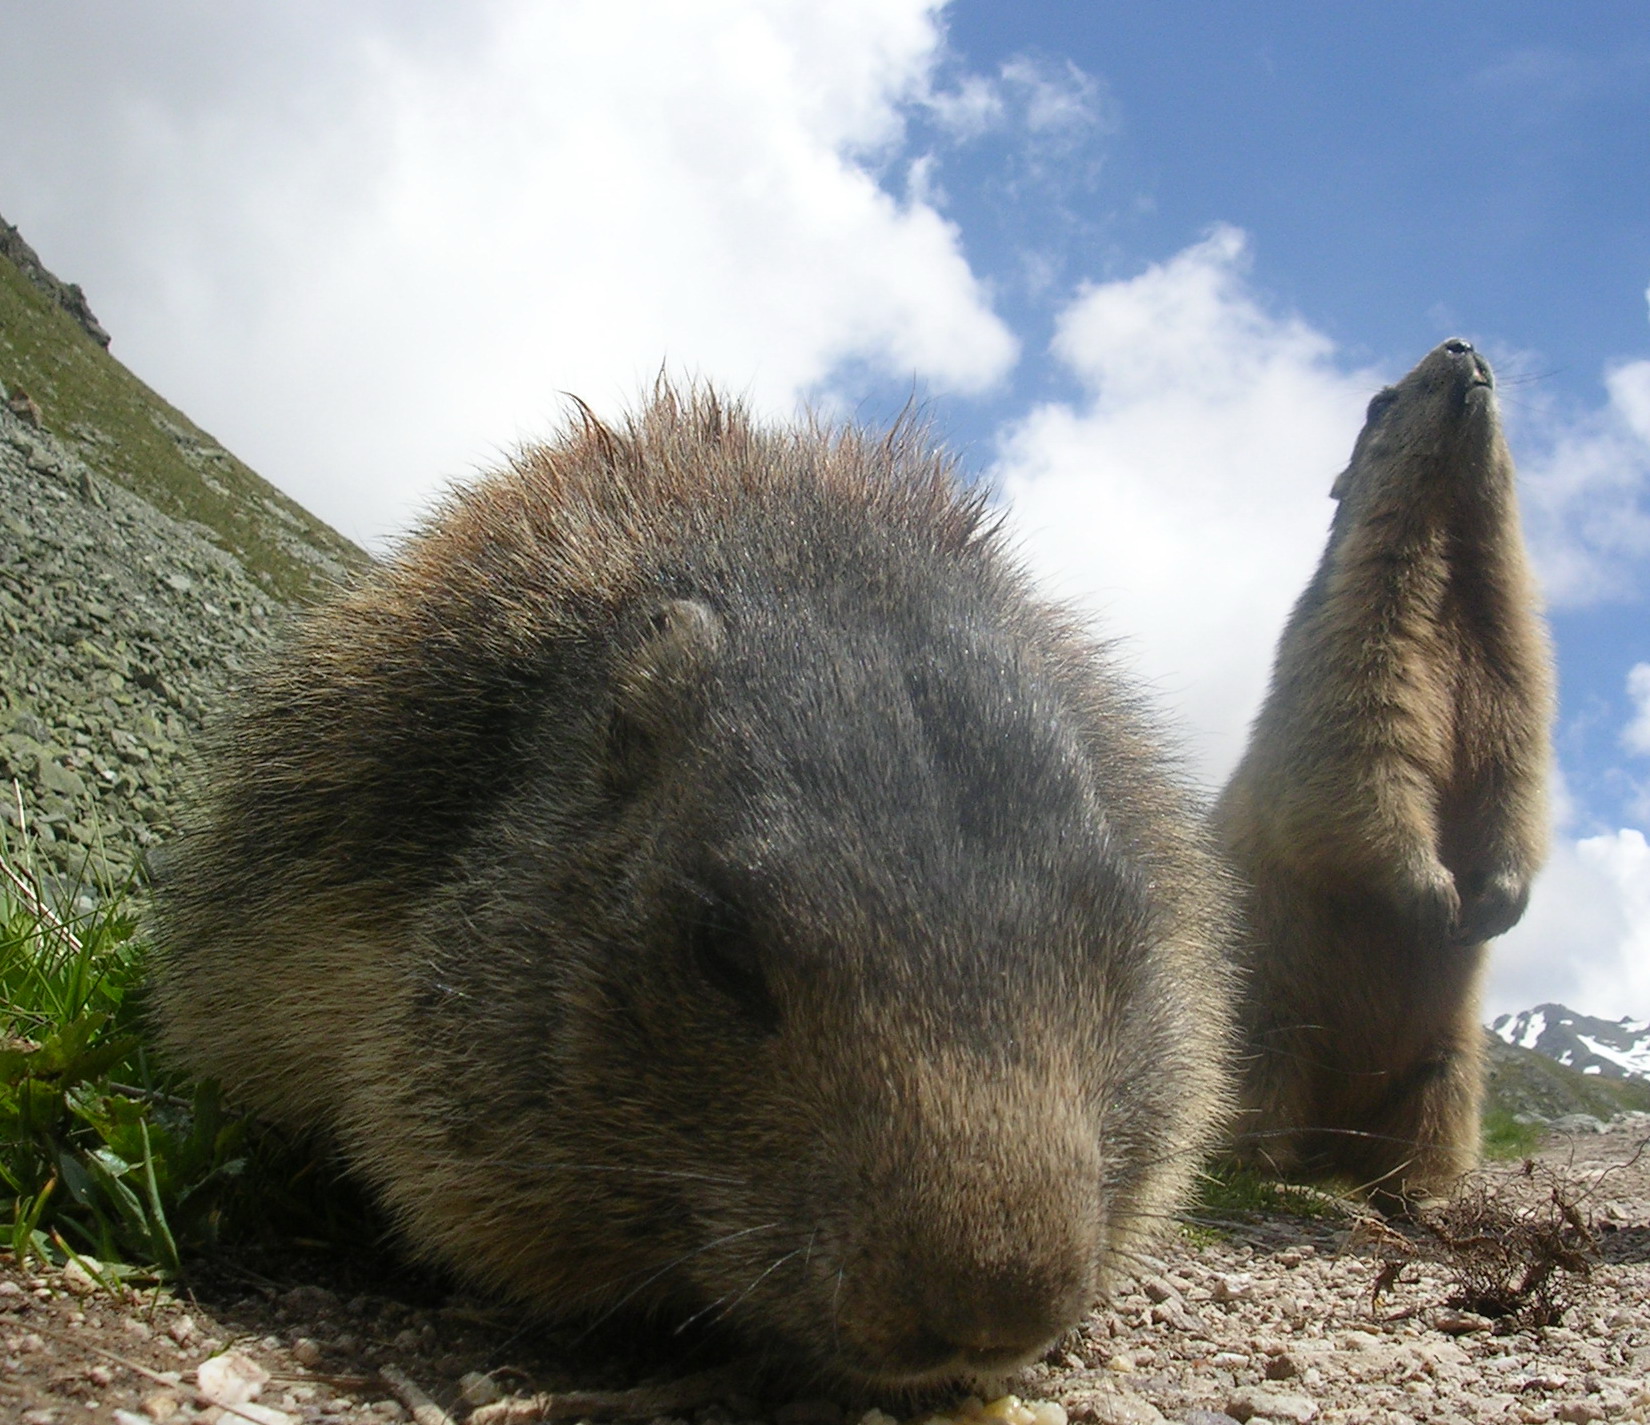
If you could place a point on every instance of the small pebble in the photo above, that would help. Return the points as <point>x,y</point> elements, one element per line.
<point>308,1300</point>
<point>1460,1323</point>
<point>231,1379</point>
<point>160,1406</point>
<point>1115,1407</point>
<point>1282,1366</point>
<point>78,1280</point>
<point>479,1388</point>
<point>306,1352</point>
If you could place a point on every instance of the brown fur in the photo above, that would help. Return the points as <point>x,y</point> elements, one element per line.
<point>1389,811</point>
<point>696,875</point>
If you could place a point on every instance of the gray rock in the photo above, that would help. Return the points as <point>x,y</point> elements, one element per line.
<point>55,777</point>
<point>1577,1123</point>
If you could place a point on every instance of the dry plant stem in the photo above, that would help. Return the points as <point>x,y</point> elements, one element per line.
<point>29,893</point>
<point>158,1377</point>
<point>423,1410</point>
<point>1505,1255</point>
<point>644,1401</point>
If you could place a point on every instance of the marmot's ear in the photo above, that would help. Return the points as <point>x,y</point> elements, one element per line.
<point>1338,490</point>
<point>658,683</point>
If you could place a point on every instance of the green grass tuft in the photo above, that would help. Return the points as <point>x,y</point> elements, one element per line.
<point>1226,1189</point>
<point>101,1155</point>
<point>1505,1137</point>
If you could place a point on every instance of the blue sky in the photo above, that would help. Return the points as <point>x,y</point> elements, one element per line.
<point>1144,264</point>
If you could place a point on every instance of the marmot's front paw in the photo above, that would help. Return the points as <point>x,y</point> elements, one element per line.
<point>1429,902</point>
<point>1490,906</point>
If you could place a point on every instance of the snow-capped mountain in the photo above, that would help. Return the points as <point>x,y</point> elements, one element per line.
<point>1612,1049</point>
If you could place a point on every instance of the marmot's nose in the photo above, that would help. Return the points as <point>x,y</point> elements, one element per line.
<point>1455,346</point>
<point>997,1319</point>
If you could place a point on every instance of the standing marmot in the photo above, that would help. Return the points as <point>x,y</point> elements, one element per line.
<point>696,874</point>
<point>1389,811</point>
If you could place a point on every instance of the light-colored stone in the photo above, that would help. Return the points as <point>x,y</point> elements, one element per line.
<point>1112,1407</point>
<point>256,1412</point>
<point>1250,1401</point>
<point>479,1388</point>
<point>160,1406</point>
<point>232,1378</point>
<point>306,1352</point>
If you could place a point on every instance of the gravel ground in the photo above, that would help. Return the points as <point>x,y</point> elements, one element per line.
<point>1272,1320</point>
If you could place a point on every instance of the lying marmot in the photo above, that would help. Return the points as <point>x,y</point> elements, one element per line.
<point>697,874</point>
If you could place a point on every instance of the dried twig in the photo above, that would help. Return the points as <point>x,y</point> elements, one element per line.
<point>643,1402</point>
<point>423,1410</point>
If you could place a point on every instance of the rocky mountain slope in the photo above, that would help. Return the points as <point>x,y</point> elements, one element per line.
<point>59,378</point>
<point>141,566</point>
<point>1609,1049</point>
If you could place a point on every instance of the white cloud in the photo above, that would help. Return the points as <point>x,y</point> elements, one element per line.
<point>1058,97</point>
<point>1041,98</point>
<point>381,246</point>
<point>1185,495</point>
<point>974,106</point>
<point>1585,940</point>
<point>1635,737</point>
<point>1586,491</point>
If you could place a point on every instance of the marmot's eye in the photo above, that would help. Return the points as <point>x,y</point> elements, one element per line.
<point>1379,402</point>
<point>725,953</point>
